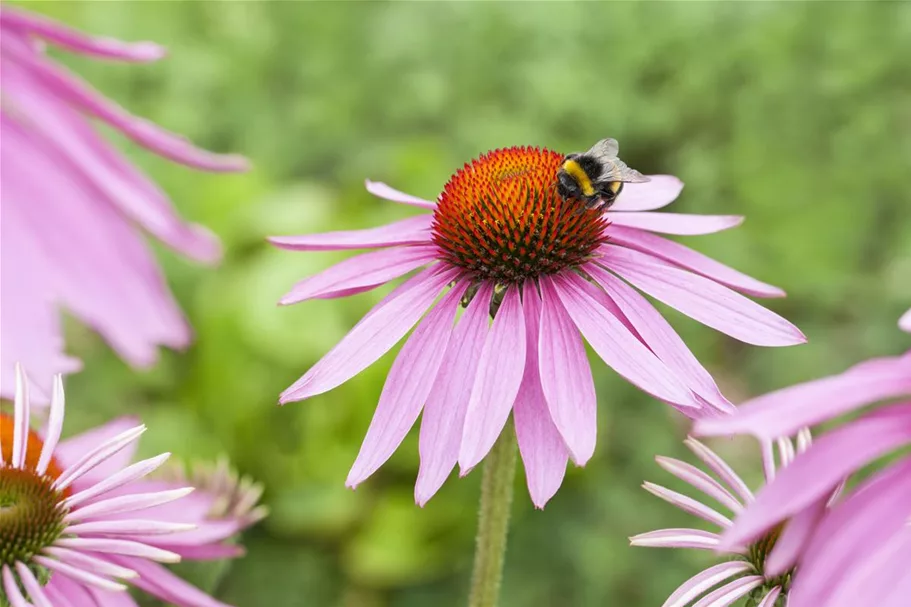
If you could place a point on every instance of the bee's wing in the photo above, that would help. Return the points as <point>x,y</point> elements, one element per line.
<point>627,175</point>
<point>605,150</point>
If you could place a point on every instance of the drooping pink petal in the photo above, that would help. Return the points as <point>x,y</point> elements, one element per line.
<point>660,337</point>
<point>89,563</point>
<point>688,504</point>
<point>65,592</point>
<point>852,531</point>
<point>702,299</point>
<point>731,592</point>
<point>444,413</point>
<point>566,377</point>
<point>118,479</point>
<point>21,417</point>
<point>96,455</point>
<point>685,257</point>
<point>407,387</point>
<point>414,230</point>
<point>360,273</point>
<point>675,223</point>
<point>11,589</point>
<point>497,382</point>
<point>615,344</point>
<point>159,582</point>
<point>127,527</point>
<point>905,321</point>
<point>720,468</point>
<point>77,574</point>
<point>544,454</point>
<point>677,538</point>
<point>76,41</point>
<point>703,581</point>
<point>820,468</point>
<point>373,336</point>
<point>770,598</point>
<point>147,134</point>
<point>659,191</point>
<point>118,546</point>
<point>114,283</point>
<point>125,503</point>
<point>793,538</point>
<point>784,411</point>
<point>384,191</point>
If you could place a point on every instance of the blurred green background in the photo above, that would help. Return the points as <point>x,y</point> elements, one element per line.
<point>795,115</point>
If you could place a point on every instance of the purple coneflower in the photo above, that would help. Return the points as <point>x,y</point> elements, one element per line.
<point>756,570</point>
<point>857,551</point>
<point>77,519</point>
<point>74,209</point>
<point>502,242</point>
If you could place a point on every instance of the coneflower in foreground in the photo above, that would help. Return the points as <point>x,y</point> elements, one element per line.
<point>74,209</point>
<point>503,241</point>
<point>77,520</point>
<point>759,570</point>
<point>856,552</point>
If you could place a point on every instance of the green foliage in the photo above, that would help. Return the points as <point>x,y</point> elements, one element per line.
<point>795,115</point>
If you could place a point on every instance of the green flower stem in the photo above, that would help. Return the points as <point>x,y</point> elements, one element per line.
<point>493,520</point>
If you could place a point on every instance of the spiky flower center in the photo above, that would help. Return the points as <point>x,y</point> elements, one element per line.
<point>500,217</point>
<point>31,511</point>
<point>756,555</point>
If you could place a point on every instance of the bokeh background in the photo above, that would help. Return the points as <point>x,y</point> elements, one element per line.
<point>795,115</point>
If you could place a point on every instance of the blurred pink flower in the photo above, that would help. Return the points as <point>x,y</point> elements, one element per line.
<point>80,514</point>
<point>760,569</point>
<point>857,551</point>
<point>74,209</point>
<point>503,239</point>
<point>905,321</point>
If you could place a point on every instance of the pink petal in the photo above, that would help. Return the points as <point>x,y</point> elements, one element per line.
<point>206,532</point>
<point>32,587</point>
<point>147,134</point>
<point>374,335</point>
<point>69,451</point>
<point>125,503</point>
<point>660,337</point>
<point>11,589</point>
<point>159,582</point>
<point>783,412</point>
<point>444,412</point>
<point>89,562</point>
<point>54,426</point>
<point>77,42</point>
<point>770,598</point>
<point>384,191</point>
<point>793,539</point>
<point>21,418</point>
<point>77,574</point>
<point>700,480</point>
<point>731,592</point>
<point>688,504</point>
<point>116,480</point>
<point>883,579</point>
<point>97,455</point>
<point>702,299</point>
<point>118,546</point>
<point>905,321</point>
<point>543,451</point>
<point>720,468</point>
<point>691,589</point>
<point>127,527</point>
<point>685,257</point>
<point>407,387</point>
<point>66,592</point>
<point>820,468</point>
<point>852,531</point>
<point>360,273</point>
<point>675,223</point>
<point>614,343</point>
<point>414,230</point>
<point>496,385</point>
<point>659,191</point>
<point>677,538</point>
<point>566,377</point>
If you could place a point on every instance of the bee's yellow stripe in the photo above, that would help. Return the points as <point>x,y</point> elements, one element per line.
<point>575,171</point>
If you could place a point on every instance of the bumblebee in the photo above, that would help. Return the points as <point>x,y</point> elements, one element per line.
<point>595,177</point>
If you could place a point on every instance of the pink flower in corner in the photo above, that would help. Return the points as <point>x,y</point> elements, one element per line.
<point>500,241</point>
<point>857,551</point>
<point>761,570</point>
<point>73,207</point>
<point>905,321</point>
<point>79,518</point>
